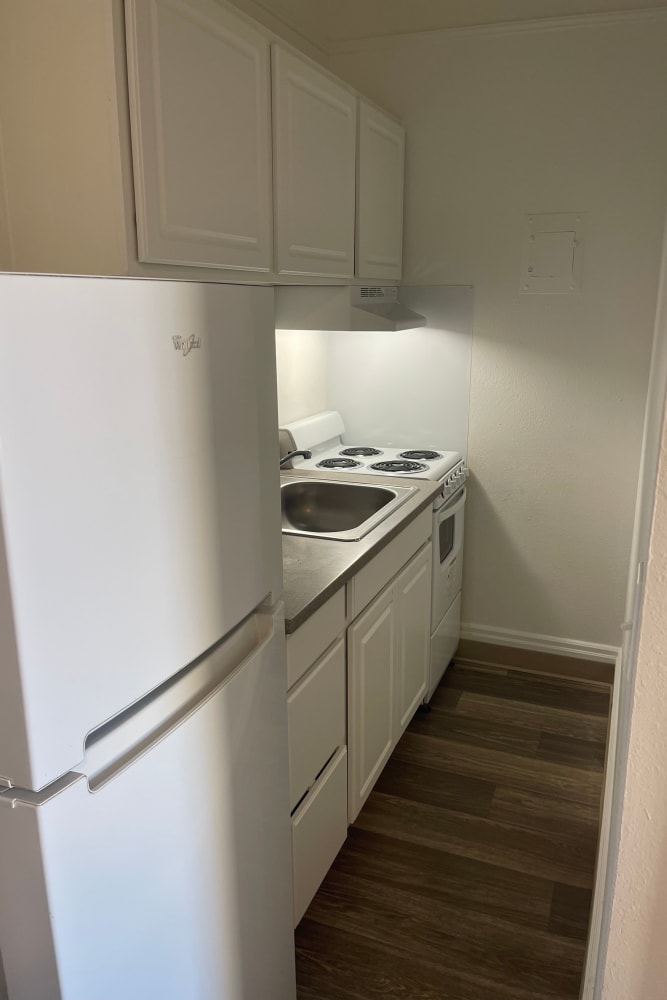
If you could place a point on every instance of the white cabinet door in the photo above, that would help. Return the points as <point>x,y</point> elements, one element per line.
<point>381,151</point>
<point>413,622</point>
<point>201,134</point>
<point>314,164</point>
<point>371,686</point>
<point>319,829</point>
<point>316,709</point>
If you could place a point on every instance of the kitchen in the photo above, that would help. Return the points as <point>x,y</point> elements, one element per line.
<point>484,148</point>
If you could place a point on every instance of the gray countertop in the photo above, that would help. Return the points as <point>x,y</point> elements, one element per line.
<point>315,568</point>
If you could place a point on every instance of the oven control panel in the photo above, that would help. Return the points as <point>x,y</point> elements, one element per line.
<point>454,480</point>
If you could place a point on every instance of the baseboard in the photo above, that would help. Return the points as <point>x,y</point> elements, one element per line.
<point>540,643</point>
<point>543,654</point>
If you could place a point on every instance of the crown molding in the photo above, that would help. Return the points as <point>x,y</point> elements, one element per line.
<point>260,10</point>
<point>535,26</point>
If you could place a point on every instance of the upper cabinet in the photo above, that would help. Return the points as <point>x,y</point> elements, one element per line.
<point>314,121</point>
<point>380,160</point>
<point>200,107</point>
<point>186,153</point>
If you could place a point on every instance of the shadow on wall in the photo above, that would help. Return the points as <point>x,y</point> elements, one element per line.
<point>510,569</point>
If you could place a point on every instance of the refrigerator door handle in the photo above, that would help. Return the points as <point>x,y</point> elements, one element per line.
<point>113,747</point>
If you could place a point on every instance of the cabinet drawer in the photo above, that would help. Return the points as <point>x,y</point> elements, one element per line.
<point>316,720</point>
<point>315,635</point>
<point>319,829</point>
<point>370,580</point>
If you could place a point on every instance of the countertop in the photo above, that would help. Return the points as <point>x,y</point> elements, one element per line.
<point>315,568</point>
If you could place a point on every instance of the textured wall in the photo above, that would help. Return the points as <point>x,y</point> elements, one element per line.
<point>636,959</point>
<point>500,125</point>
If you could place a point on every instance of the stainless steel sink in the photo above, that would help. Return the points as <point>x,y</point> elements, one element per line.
<point>336,509</point>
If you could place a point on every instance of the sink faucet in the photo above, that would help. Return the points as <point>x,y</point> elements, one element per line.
<point>292,454</point>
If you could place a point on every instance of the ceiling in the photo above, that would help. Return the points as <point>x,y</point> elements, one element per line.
<point>327,24</point>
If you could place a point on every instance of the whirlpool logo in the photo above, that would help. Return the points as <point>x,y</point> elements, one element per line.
<point>186,344</point>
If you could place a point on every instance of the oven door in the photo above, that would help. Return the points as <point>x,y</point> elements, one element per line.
<point>448,524</point>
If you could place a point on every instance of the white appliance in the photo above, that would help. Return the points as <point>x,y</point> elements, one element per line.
<point>361,307</point>
<point>323,435</point>
<point>144,796</point>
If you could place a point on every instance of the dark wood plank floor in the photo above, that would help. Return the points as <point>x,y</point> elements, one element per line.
<point>468,874</point>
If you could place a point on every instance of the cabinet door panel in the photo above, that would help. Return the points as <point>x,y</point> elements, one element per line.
<point>380,194</point>
<point>314,163</point>
<point>413,643</point>
<point>201,134</point>
<point>371,681</point>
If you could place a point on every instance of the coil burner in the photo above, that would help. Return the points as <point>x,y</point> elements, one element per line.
<point>338,463</point>
<point>400,467</point>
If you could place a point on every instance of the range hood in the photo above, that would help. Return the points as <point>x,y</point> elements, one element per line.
<point>361,307</point>
<point>377,307</point>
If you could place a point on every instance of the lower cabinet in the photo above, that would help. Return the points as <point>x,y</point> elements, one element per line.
<point>319,829</point>
<point>317,731</point>
<point>351,695</point>
<point>388,650</point>
<point>413,624</point>
<point>316,720</point>
<point>371,650</point>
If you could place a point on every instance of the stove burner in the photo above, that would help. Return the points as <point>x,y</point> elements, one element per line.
<point>338,463</point>
<point>421,456</point>
<point>361,451</point>
<point>399,467</point>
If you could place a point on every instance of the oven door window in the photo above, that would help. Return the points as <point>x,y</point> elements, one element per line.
<point>446,537</point>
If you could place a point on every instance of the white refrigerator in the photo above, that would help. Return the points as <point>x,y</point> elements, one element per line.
<point>144,806</point>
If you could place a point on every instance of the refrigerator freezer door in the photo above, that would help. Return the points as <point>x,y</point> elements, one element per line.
<point>138,495</point>
<point>171,879</point>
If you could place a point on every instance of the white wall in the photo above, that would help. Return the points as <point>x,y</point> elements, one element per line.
<point>409,389</point>
<point>500,125</point>
<point>301,362</point>
<point>404,389</point>
<point>636,963</point>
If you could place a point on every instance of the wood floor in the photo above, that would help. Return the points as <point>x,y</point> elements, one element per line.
<point>468,874</point>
